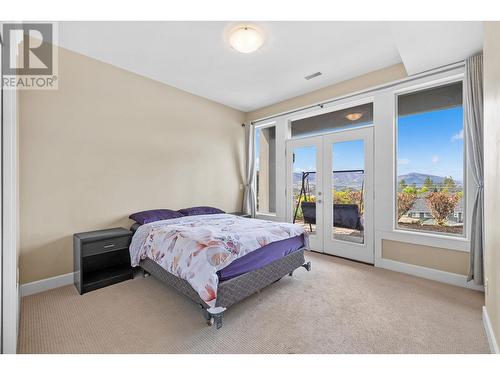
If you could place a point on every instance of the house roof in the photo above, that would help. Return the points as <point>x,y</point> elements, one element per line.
<point>420,205</point>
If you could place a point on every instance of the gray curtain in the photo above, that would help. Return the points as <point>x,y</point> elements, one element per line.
<point>473,110</point>
<point>249,205</point>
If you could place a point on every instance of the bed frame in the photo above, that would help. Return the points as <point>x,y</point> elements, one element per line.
<point>233,290</point>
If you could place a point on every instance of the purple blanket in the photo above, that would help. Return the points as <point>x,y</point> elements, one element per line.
<point>261,257</point>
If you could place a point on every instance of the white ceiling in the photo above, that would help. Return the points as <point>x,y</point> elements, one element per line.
<point>427,45</point>
<point>196,57</point>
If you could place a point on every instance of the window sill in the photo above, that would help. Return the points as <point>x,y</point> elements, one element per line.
<point>427,239</point>
<point>455,237</point>
<point>272,217</point>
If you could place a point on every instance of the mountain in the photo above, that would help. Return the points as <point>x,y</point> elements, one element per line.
<point>348,180</point>
<point>419,179</point>
<point>297,179</point>
<point>342,180</point>
<point>354,180</point>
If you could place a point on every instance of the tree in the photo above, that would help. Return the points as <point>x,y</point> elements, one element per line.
<point>449,183</point>
<point>441,204</point>
<point>402,184</point>
<point>410,190</point>
<point>406,200</point>
<point>341,197</point>
<point>349,197</point>
<point>428,183</point>
<point>423,190</point>
<point>356,197</point>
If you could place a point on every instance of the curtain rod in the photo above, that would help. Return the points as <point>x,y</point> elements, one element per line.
<point>426,73</point>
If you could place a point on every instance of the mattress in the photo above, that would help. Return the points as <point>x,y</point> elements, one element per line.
<point>261,257</point>
<point>258,258</point>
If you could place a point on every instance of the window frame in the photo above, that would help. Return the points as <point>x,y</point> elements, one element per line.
<point>329,108</point>
<point>465,179</point>
<point>254,135</point>
<point>384,124</point>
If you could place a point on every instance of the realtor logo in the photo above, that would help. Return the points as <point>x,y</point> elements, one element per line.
<point>29,56</point>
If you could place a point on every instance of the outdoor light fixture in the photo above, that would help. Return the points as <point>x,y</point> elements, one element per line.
<point>354,116</point>
<point>246,39</point>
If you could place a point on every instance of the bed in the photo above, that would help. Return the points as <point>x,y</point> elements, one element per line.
<point>217,260</point>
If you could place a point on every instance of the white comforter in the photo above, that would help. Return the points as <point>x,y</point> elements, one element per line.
<point>194,248</point>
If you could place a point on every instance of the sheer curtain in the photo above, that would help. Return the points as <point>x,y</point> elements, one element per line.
<point>249,204</point>
<point>473,108</point>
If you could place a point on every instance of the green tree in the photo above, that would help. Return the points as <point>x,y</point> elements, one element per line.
<point>410,190</point>
<point>423,190</point>
<point>402,184</point>
<point>428,183</point>
<point>449,183</point>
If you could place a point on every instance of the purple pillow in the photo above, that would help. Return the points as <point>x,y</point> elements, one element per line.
<point>149,216</point>
<point>201,210</point>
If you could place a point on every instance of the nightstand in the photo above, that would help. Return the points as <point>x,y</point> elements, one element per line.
<point>101,258</point>
<point>241,214</point>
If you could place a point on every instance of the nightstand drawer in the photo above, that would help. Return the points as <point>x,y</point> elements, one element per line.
<point>104,246</point>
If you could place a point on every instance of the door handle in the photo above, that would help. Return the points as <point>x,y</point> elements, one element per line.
<point>319,200</point>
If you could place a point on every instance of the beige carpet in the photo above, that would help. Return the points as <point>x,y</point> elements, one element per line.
<point>338,307</point>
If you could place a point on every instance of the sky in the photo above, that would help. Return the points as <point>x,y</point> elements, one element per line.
<point>429,143</point>
<point>432,143</point>
<point>346,156</point>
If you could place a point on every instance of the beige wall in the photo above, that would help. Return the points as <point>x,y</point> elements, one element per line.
<point>362,82</point>
<point>492,170</point>
<point>426,256</point>
<point>108,143</point>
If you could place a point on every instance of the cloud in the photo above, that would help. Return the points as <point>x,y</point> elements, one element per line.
<point>435,159</point>
<point>458,136</point>
<point>403,161</point>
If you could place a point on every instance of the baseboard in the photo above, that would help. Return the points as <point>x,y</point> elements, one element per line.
<point>46,284</point>
<point>428,273</point>
<point>489,332</point>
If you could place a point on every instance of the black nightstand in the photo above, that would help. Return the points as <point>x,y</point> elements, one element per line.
<point>241,214</point>
<point>101,258</point>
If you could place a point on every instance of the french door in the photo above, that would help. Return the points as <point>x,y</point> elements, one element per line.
<point>330,191</point>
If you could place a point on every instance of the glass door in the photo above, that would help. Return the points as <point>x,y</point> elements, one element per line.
<point>304,187</point>
<point>348,194</point>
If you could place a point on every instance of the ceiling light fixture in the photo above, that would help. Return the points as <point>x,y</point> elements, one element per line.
<point>246,39</point>
<point>354,116</point>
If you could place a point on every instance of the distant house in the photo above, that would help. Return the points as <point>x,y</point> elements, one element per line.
<point>421,211</point>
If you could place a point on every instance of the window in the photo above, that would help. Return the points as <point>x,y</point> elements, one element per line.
<point>333,121</point>
<point>430,160</point>
<point>265,166</point>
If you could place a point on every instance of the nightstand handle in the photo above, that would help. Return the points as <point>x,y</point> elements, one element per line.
<point>108,246</point>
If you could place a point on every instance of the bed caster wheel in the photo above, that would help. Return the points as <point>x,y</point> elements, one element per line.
<point>213,319</point>
<point>307,266</point>
<point>145,274</point>
<point>218,320</point>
